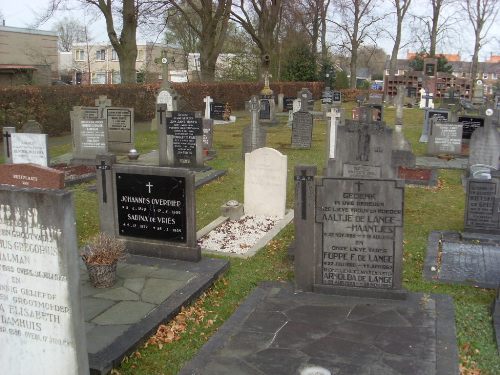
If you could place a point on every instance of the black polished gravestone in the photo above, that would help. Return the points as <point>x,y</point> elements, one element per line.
<point>265,109</point>
<point>217,111</point>
<point>151,208</point>
<point>302,129</point>
<point>184,132</point>
<point>469,124</point>
<point>288,103</point>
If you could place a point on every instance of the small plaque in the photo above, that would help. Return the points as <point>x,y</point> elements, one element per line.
<point>360,171</point>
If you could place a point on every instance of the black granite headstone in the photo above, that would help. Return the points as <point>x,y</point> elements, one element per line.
<point>151,206</point>
<point>265,109</point>
<point>288,103</point>
<point>217,111</point>
<point>470,123</point>
<point>184,127</point>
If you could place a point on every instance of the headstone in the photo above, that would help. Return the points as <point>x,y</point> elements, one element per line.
<point>482,214</point>
<point>254,136</point>
<point>302,127</point>
<point>102,103</point>
<point>265,183</point>
<point>265,109</point>
<point>89,136</point>
<point>470,124</point>
<point>334,116</point>
<point>42,330</point>
<point>29,148</point>
<point>445,138</point>
<point>32,127</point>
<point>363,149</point>
<point>426,99</point>
<point>337,98</point>
<point>430,114</point>
<point>281,97</point>
<point>151,208</point>
<point>31,176</point>
<point>402,155</point>
<point>181,140</point>
<point>217,111</point>
<point>288,103</point>
<point>208,137</point>
<point>484,146</point>
<point>120,128</point>
<point>306,93</point>
<point>349,235</point>
<point>168,98</point>
<point>451,98</point>
<point>478,93</point>
<point>208,104</point>
<point>326,100</point>
<point>7,143</point>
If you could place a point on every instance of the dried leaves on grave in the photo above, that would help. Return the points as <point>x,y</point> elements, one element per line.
<point>103,249</point>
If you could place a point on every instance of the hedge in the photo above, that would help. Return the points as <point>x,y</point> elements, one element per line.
<point>50,106</point>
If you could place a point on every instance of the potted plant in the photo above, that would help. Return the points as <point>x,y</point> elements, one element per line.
<point>101,256</point>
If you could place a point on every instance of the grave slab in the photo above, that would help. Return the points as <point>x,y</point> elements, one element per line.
<point>272,332</point>
<point>116,327</point>
<point>451,258</point>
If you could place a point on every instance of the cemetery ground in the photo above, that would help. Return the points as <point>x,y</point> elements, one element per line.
<point>426,210</point>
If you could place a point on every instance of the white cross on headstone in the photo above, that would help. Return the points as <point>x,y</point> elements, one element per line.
<point>334,114</point>
<point>149,185</point>
<point>207,100</point>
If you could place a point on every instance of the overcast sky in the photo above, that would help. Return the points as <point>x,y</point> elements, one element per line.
<point>23,13</point>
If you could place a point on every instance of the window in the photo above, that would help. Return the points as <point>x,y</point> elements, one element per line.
<point>98,78</point>
<point>485,75</point>
<point>140,55</point>
<point>114,55</point>
<point>79,55</point>
<point>494,76</point>
<point>115,77</point>
<point>100,55</point>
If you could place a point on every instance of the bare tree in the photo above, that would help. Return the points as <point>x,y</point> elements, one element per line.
<point>260,19</point>
<point>69,31</point>
<point>211,28</point>
<point>402,7</point>
<point>482,15</point>
<point>323,14</point>
<point>357,22</point>
<point>122,15</point>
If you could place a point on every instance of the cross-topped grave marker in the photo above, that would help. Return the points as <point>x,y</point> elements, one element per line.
<point>334,116</point>
<point>102,102</point>
<point>302,124</point>
<point>254,136</point>
<point>426,99</point>
<point>207,100</point>
<point>7,150</point>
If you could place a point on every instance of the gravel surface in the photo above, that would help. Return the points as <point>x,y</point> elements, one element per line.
<point>238,236</point>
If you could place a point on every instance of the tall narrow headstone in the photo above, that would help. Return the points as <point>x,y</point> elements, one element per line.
<point>42,330</point>
<point>302,125</point>
<point>181,140</point>
<point>254,136</point>
<point>334,116</point>
<point>207,100</point>
<point>402,155</point>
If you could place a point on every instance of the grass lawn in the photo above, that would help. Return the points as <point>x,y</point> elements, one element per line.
<point>425,210</point>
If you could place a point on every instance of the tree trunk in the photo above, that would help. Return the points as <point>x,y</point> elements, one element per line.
<point>475,60</point>
<point>353,65</point>
<point>436,10</point>
<point>395,49</point>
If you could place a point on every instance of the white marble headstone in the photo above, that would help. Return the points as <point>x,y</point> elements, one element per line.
<point>334,116</point>
<point>29,148</point>
<point>296,105</point>
<point>265,182</point>
<point>164,97</point>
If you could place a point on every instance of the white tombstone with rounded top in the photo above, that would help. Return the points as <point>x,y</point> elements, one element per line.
<point>265,182</point>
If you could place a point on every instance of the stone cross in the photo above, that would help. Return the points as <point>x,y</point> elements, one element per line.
<point>303,101</point>
<point>103,168</point>
<point>426,96</point>
<point>399,105</point>
<point>160,110</point>
<point>102,103</point>
<point>7,136</point>
<point>165,84</point>
<point>207,100</point>
<point>254,108</point>
<point>334,114</point>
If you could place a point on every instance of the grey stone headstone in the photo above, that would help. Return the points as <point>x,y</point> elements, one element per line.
<point>152,210</point>
<point>30,148</point>
<point>307,94</point>
<point>102,103</point>
<point>32,127</point>
<point>280,106</point>
<point>120,129</point>
<point>258,134</point>
<point>482,205</point>
<point>445,138</point>
<point>7,143</point>
<point>89,135</point>
<point>302,127</point>
<point>208,134</point>
<point>484,147</point>
<point>182,135</point>
<point>42,330</point>
<point>363,150</point>
<point>430,114</point>
<point>361,225</point>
